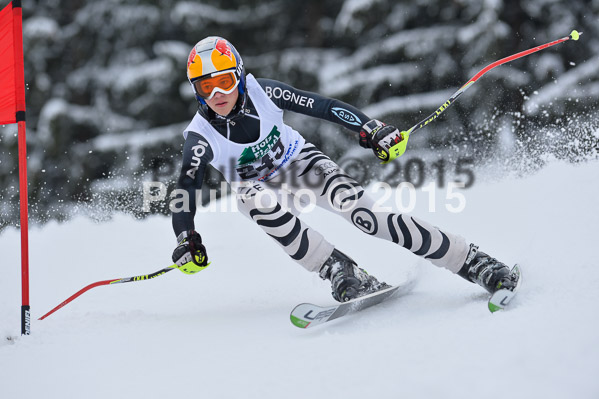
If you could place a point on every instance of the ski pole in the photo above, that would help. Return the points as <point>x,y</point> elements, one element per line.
<point>107,282</point>
<point>398,149</point>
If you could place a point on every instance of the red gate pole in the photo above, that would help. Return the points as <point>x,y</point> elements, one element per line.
<point>17,13</point>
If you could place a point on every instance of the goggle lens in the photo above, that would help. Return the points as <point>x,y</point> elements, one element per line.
<point>208,86</point>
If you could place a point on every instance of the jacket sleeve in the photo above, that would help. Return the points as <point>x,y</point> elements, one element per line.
<point>197,154</point>
<point>304,102</point>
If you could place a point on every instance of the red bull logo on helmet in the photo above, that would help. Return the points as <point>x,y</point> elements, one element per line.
<point>222,57</point>
<point>223,47</point>
<point>191,57</point>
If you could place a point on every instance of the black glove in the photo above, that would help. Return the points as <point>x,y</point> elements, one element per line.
<point>380,137</point>
<point>190,255</point>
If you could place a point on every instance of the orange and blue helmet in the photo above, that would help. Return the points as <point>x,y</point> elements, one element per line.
<point>214,65</point>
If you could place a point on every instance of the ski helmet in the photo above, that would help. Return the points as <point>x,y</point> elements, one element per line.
<point>214,65</point>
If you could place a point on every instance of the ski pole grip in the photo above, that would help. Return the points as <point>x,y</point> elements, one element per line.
<point>397,150</point>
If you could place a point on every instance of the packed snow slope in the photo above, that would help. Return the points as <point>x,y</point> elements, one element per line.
<point>225,332</point>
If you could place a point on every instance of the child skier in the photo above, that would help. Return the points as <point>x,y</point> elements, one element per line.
<point>239,129</point>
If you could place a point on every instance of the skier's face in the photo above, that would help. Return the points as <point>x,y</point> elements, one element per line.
<point>222,104</point>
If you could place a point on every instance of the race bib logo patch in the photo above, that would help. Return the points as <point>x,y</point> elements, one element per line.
<point>223,48</point>
<point>257,151</point>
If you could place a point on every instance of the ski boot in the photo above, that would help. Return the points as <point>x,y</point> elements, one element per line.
<point>348,281</point>
<point>486,271</point>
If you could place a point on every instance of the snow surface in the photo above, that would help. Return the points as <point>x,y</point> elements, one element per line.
<point>225,332</point>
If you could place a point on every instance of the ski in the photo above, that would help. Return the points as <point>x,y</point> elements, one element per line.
<point>502,297</point>
<point>309,315</point>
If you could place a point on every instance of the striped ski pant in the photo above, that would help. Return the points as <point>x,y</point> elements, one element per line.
<point>313,177</point>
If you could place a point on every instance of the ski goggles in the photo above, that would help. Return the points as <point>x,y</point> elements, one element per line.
<point>223,82</point>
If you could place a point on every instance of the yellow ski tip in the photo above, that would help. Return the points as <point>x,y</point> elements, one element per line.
<point>575,35</point>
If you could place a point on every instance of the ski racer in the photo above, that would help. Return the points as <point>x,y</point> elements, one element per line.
<point>239,129</point>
